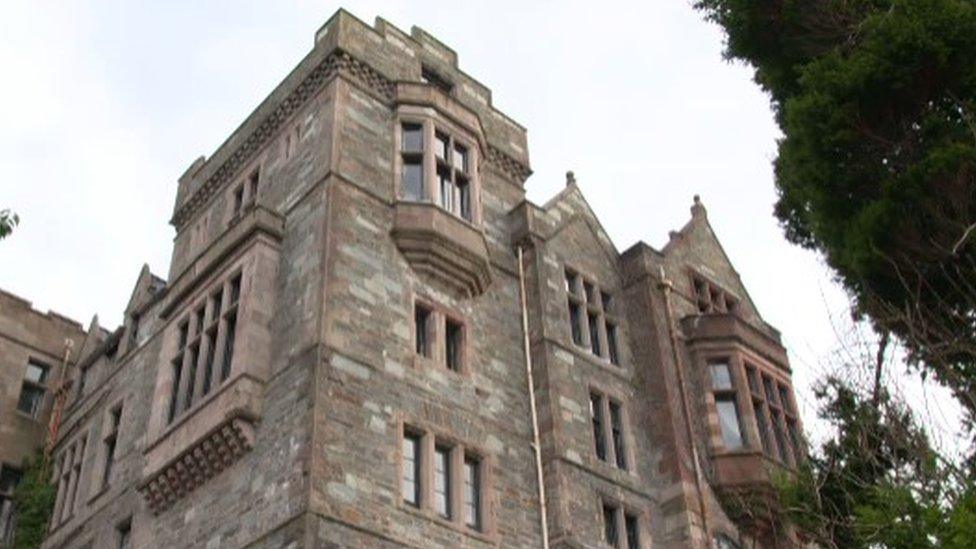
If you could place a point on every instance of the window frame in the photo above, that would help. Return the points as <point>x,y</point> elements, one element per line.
<point>710,297</point>
<point>458,453</point>
<point>431,165</point>
<point>205,339</point>
<point>617,450</point>
<point>618,528</point>
<point>37,388</point>
<point>729,394</point>
<point>594,324</point>
<point>440,321</point>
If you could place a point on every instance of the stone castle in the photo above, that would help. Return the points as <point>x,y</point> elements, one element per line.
<point>368,337</point>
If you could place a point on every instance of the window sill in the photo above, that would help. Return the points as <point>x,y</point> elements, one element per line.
<point>202,442</point>
<point>596,360</point>
<point>27,417</point>
<point>424,363</point>
<point>485,536</point>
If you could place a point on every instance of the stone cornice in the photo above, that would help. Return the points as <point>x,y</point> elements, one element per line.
<point>336,63</point>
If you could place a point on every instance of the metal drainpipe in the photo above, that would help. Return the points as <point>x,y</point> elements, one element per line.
<point>60,396</point>
<point>666,288</point>
<point>543,521</point>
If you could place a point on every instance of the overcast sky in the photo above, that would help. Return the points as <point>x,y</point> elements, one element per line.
<point>104,104</point>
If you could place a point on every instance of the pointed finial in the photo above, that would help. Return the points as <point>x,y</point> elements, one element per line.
<point>570,178</point>
<point>698,209</point>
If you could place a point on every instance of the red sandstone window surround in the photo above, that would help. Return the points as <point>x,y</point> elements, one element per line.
<point>440,336</point>
<point>710,297</point>
<point>438,165</point>
<point>607,419</point>
<point>726,405</point>
<point>601,333</point>
<point>443,477</point>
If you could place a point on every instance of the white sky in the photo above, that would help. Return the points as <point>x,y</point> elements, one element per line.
<point>104,104</point>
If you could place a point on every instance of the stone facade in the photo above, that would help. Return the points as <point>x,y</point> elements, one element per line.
<point>34,348</point>
<point>337,357</point>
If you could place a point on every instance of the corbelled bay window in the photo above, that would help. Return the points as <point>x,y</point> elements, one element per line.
<point>437,165</point>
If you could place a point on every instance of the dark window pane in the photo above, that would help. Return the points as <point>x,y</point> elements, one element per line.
<point>472,493</point>
<point>9,479</point>
<point>184,332</point>
<point>215,306</point>
<point>612,344</point>
<point>235,289</point>
<point>124,534</point>
<point>607,300</point>
<point>198,326</point>
<point>610,527</point>
<point>253,180</point>
<point>175,391</point>
<point>413,138</point>
<point>633,537</point>
<point>442,481</point>
<point>228,346</point>
<point>31,398</point>
<point>571,286</point>
<point>753,380</point>
<point>728,419</point>
<point>422,319</point>
<point>780,428</point>
<point>209,342</point>
<point>412,185</point>
<point>464,197</point>
<point>588,291</point>
<point>617,432</point>
<point>770,393</point>
<point>575,322</point>
<point>594,334</point>
<point>721,377</point>
<point>599,437</point>
<point>761,423</point>
<point>784,400</point>
<point>109,459</point>
<point>238,199</point>
<point>454,334</point>
<point>411,469</point>
<point>191,376</point>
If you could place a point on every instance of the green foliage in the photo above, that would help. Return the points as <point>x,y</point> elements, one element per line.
<point>8,220</point>
<point>33,501</point>
<point>877,167</point>
<point>877,482</point>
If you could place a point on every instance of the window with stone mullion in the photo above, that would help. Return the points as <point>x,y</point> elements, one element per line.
<point>205,347</point>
